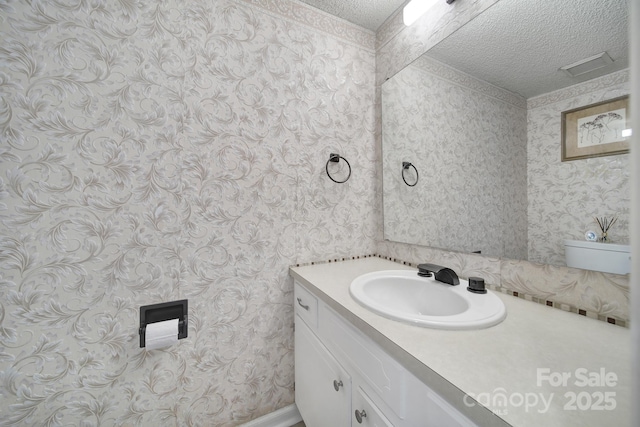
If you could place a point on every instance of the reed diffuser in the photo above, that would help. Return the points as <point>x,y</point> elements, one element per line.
<point>605,224</point>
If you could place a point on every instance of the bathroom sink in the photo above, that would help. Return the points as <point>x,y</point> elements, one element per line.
<point>422,301</point>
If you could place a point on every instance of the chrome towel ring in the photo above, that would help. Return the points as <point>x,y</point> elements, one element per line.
<point>335,158</point>
<point>405,166</point>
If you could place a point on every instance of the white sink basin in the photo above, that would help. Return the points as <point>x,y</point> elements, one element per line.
<point>403,295</point>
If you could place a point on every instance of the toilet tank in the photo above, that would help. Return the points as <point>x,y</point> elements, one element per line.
<point>605,257</point>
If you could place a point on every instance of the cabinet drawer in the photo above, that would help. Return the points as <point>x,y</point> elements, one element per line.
<point>306,305</point>
<point>366,413</point>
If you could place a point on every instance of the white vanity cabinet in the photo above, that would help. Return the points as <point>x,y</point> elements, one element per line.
<point>343,378</point>
<point>323,387</point>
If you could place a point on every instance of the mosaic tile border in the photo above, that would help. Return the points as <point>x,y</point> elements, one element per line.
<point>564,307</point>
<point>496,288</point>
<point>334,260</point>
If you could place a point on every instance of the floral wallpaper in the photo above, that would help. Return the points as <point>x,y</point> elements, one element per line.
<point>564,197</point>
<point>467,142</point>
<point>160,150</point>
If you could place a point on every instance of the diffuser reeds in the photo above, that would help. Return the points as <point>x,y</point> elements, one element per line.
<point>605,224</point>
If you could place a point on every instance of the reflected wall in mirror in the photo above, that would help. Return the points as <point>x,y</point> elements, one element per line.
<point>469,152</point>
<point>479,117</point>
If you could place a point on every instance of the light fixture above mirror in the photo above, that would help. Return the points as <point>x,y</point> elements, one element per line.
<point>416,8</point>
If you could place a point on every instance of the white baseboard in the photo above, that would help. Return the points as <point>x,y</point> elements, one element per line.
<point>284,417</point>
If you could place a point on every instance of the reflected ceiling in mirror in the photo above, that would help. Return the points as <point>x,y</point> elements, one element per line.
<point>521,45</point>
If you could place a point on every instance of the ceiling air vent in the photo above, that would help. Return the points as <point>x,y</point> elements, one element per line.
<point>587,65</point>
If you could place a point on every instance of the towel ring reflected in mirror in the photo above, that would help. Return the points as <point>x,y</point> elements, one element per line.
<point>405,166</point>
<point>335,158</point>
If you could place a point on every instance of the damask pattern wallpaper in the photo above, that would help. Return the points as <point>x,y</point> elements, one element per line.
<point>467,141</point>
<point>160,150</point>
<point>564,197</point>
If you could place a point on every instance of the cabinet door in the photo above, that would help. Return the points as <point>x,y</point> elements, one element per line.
<point>323,388</point>
<point>366,413</point>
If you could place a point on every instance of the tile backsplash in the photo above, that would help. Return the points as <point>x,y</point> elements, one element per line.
<point>602,296</point>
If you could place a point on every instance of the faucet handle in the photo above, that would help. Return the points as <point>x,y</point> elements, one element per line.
<point>476,285</point>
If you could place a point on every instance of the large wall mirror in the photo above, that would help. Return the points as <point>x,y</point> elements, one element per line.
<point>472,139</point>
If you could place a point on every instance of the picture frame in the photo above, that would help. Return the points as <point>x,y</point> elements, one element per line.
<point>596,130</point>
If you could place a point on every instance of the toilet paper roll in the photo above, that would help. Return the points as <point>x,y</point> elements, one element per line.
<point>161,334</point>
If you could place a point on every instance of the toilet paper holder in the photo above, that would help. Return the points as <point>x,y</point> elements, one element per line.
<point>164,311</point>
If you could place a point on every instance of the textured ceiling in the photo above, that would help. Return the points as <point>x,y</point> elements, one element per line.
<point>369,14</point>
<point>520,45</point>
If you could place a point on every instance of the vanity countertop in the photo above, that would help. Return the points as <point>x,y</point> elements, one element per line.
<point>552,368</point>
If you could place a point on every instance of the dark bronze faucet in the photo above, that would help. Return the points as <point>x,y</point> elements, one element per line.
<point>442,274</point>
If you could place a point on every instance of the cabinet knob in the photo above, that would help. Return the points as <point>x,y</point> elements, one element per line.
<point>306,307</point>
<point>337,384</point>
<point>360,415</point>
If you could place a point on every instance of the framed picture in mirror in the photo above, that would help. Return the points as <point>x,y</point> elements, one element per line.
<point>596,130</point>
